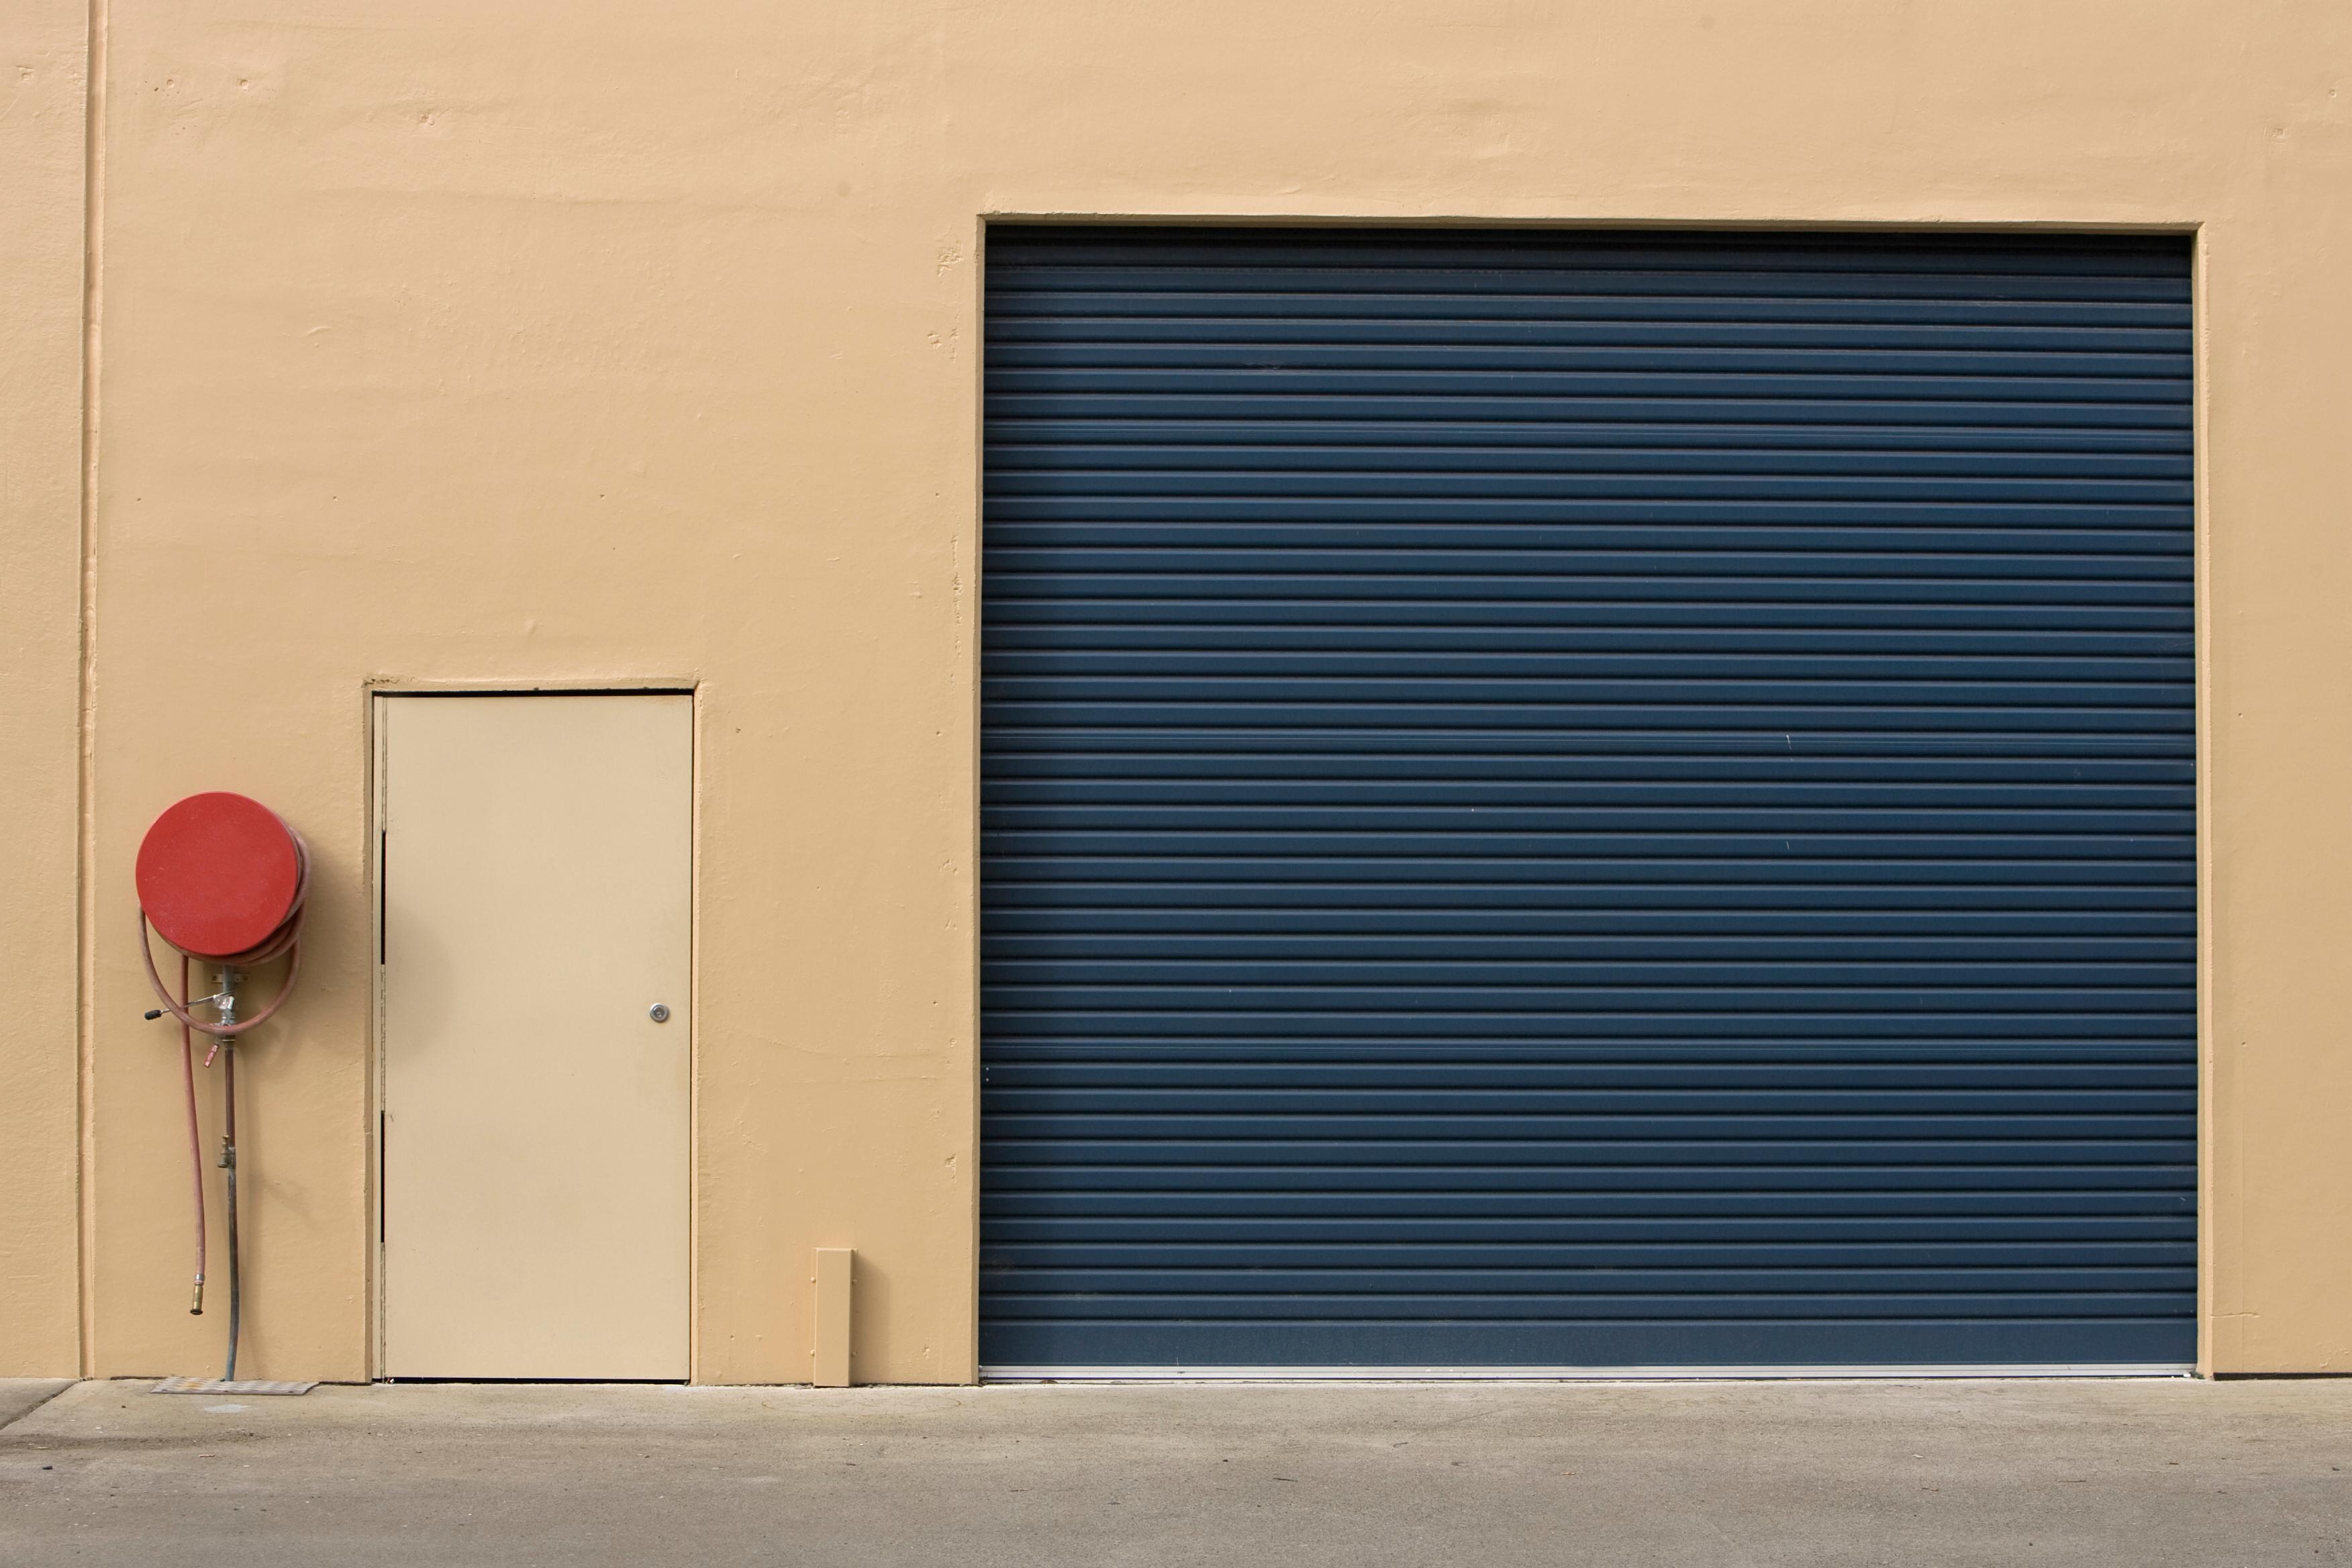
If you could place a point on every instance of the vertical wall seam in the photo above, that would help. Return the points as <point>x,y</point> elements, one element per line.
<point>85,913</point>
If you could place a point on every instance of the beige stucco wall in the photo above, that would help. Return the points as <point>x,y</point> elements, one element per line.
<point>507,343</point>
<point>43,54</point>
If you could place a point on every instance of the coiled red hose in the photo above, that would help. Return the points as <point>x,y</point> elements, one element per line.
<point>195,1136</point>
<point>284,942</point>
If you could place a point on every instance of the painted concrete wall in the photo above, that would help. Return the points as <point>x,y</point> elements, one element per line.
<point>452,342</point>
<point>43,55</point>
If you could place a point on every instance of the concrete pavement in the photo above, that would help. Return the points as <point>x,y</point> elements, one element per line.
<point>20,1396</point>
<point>2140,1473</point>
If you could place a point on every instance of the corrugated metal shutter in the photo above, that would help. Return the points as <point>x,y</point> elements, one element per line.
<point>1585,800</point>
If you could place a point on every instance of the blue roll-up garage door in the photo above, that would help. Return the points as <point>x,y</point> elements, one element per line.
<point>1570,800</point>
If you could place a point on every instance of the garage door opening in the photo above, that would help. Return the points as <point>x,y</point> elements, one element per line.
<point>1563,802</point>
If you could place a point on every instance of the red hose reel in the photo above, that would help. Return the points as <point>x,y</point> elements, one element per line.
<point>222,878</point>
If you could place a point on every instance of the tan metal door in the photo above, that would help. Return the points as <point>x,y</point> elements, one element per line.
<point>537,869</point>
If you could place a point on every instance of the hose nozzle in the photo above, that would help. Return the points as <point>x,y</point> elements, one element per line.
<point>196,1299</point>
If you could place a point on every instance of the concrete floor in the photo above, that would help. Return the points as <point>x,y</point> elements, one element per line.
<point>2138,1473</point>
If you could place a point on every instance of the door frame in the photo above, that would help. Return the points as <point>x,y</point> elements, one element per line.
<point>2214,1115</point>
<point>373,696</point>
